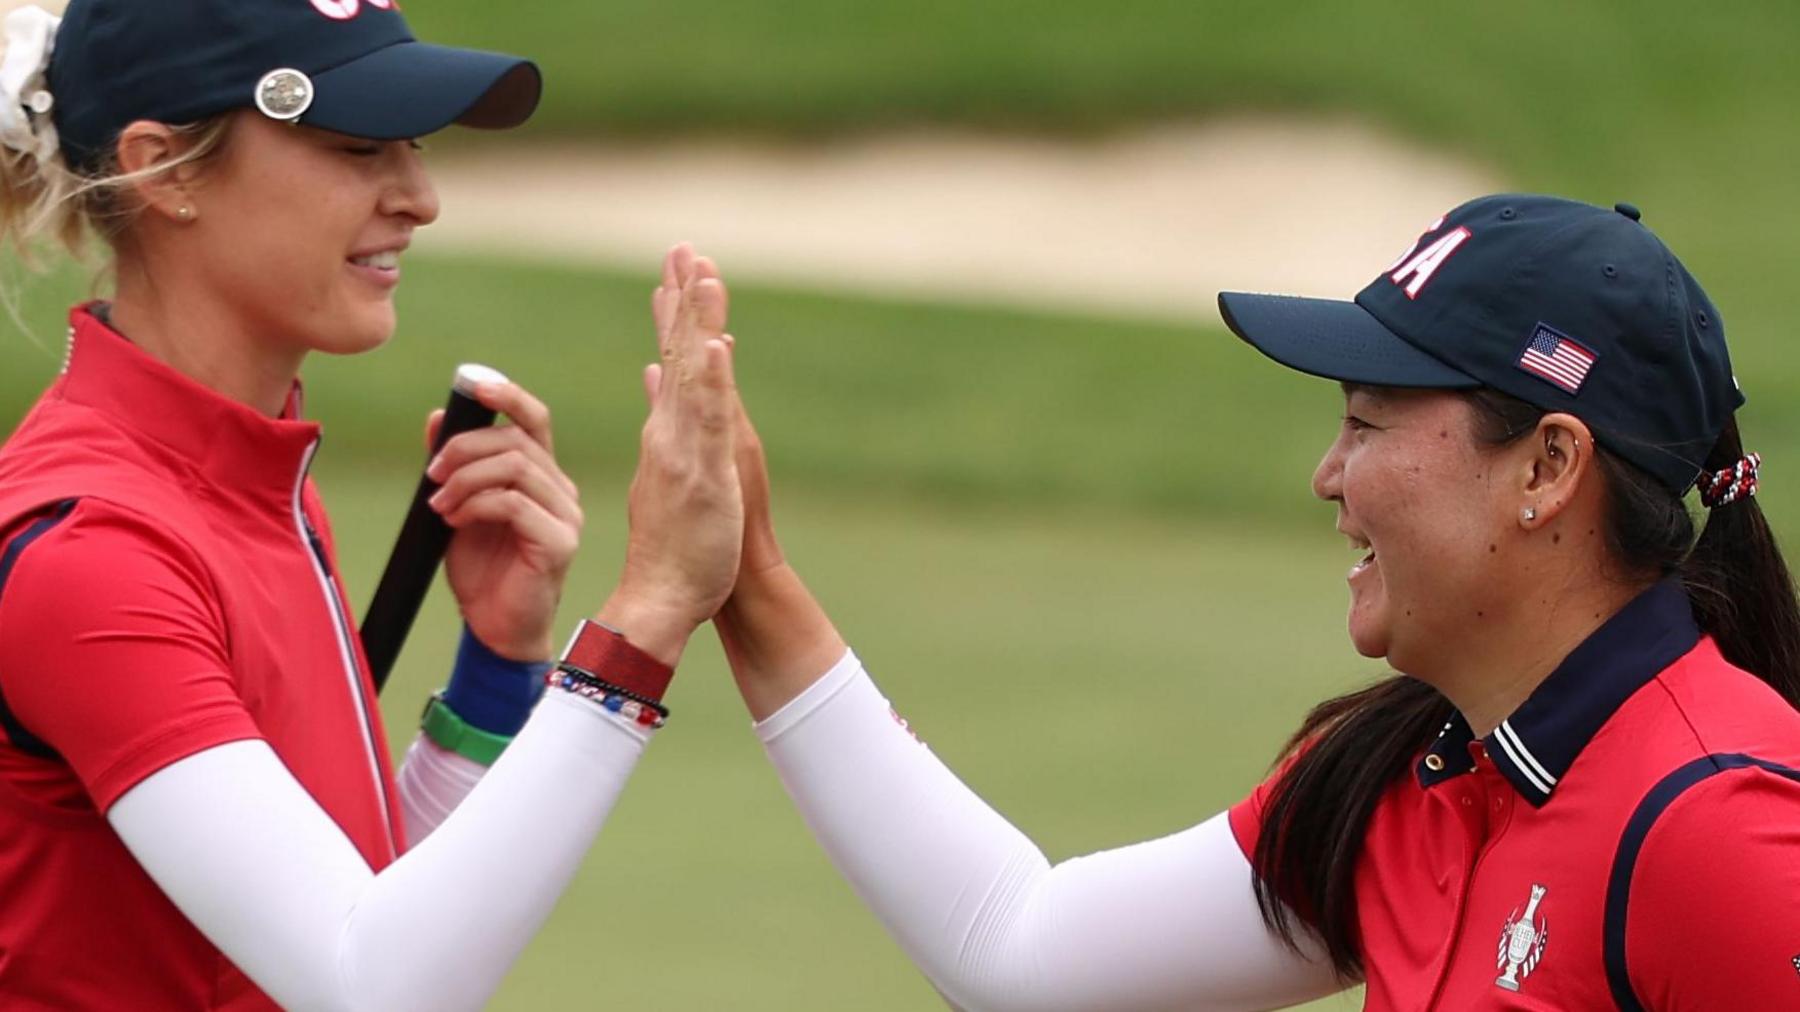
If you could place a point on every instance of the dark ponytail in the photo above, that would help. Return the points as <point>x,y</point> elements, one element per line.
<point>1350,750</point>
<point>1742,590</point>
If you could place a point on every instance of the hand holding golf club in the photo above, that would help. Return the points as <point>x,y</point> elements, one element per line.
<point>517,521</point>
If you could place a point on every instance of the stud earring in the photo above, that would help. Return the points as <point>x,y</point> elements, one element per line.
<point>184,212</point>
<point>1529,513</point>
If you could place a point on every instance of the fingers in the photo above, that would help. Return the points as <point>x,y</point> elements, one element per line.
<point>701,319</point>
<point>686,310</point>
<point>517,403</point>
<point>513,469</point>
<point>694,384</point>
<point>715,411</point>
<point>466,450</point>
<point>709,304</point>
<point>665,301</point>
<point>524,516</point>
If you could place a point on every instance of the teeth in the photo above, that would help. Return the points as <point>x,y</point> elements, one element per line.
<point>386,261</point>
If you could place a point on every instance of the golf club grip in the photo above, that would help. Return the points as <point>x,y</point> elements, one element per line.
<point>423,537</point>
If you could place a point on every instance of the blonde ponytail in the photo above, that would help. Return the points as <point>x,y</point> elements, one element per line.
<point>40,195</point>
<point>42,198</point>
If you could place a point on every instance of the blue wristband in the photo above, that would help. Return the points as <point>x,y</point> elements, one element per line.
<point>490,692</point>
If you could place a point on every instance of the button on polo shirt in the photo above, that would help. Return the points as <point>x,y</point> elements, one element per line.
<point>1628,838</point>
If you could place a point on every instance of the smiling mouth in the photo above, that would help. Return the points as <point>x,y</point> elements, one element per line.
<point>386,261</point>
<point>1368,559</point>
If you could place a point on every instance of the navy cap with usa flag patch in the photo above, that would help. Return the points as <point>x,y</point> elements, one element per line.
<point>1565,305</point>
<point>349,66</point>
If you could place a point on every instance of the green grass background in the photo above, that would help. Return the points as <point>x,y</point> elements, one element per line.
<point>1079,553</point>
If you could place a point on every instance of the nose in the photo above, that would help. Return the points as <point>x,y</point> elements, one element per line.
<point>411,193</point>
<point>1328,477</point>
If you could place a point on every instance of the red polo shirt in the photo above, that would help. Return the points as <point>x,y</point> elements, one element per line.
<point>166,585</point>
<point>1629,839</point>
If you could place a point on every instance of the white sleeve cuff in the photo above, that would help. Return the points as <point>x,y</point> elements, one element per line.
<point>806,703</point>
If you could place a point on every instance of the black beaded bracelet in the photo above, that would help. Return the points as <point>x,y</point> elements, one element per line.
<point>586,677</point>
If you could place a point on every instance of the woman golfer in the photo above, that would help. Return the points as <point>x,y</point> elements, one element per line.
<point>196,807</point>
<point>1583,792</point>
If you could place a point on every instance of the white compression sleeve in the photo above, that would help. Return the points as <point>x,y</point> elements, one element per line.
<point>252,860</point>
<point>432,781</point>
<point>1172,923</point>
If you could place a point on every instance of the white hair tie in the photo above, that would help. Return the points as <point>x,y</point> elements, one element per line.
<point>25,99</point>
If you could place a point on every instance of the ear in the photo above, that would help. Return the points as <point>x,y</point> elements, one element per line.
<point>1559,464</point>
<point>145,144</point>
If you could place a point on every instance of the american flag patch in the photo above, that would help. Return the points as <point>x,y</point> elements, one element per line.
<point>1557,359</point>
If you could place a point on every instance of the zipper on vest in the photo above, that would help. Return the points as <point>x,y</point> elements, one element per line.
<point>318,546</point>
<point>340,619</point>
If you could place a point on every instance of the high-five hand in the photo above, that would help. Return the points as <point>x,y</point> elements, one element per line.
<point>776,637</point>
<point>686,506</point>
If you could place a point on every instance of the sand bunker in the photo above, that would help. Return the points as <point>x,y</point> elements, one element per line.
<point>1152,223</point>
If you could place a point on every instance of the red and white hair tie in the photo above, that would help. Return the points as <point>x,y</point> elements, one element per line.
<point>1722,488</point>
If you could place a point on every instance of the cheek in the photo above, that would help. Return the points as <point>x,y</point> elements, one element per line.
<point>1427,512</point>
<point>285,253</point>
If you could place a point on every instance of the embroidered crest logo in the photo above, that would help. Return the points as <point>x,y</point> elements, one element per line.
<point>1522,941</point>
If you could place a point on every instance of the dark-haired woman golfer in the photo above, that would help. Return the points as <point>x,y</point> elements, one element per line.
<point>1583,792</point>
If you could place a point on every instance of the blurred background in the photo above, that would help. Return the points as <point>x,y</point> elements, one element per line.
<point>974,247</point>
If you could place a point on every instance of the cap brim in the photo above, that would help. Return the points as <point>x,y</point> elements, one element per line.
<point>414,88</point>
<point>1334,339</point>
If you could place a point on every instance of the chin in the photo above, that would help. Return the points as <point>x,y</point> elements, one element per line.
<point>363,332</point>
<point>1368,642</point>
<point>1369,624</point>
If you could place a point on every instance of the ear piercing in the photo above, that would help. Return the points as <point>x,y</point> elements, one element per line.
<point>1528,514</point>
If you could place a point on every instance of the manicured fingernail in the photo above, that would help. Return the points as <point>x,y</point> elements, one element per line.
<point>437,499</point>
<point>431,469</point>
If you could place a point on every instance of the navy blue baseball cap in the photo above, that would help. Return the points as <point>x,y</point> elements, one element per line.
<point>1564,305</point>
<point>350,66</point>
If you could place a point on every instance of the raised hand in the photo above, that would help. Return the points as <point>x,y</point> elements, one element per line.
<point>776,637</point>
<point>686,505</point>
<point>517,519</point>
<point>761,550</point>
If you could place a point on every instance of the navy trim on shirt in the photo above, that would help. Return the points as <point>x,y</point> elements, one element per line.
<point>1631,844</point>
<point>21,738</point>
<point>1538,743</point>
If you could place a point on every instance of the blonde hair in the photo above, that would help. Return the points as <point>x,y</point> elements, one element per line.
<point>45,198</point>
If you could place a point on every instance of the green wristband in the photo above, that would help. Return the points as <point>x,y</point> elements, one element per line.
<point>448,731</point>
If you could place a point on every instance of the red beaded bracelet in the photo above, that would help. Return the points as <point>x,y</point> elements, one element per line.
<point>610,698</point>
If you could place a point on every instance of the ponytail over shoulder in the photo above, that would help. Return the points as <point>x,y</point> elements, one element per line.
<point>1344,757</point>
<point>1351,750</point>
<point>1741,588</point>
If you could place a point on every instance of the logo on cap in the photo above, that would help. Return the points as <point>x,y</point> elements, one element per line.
<point>1416,266</point>
<point>344,10</point>
<point>284,94</point>
<point>1557,359</point>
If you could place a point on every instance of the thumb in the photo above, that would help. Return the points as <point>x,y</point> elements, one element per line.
<point>433,422</point>
<point>652,382</point>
